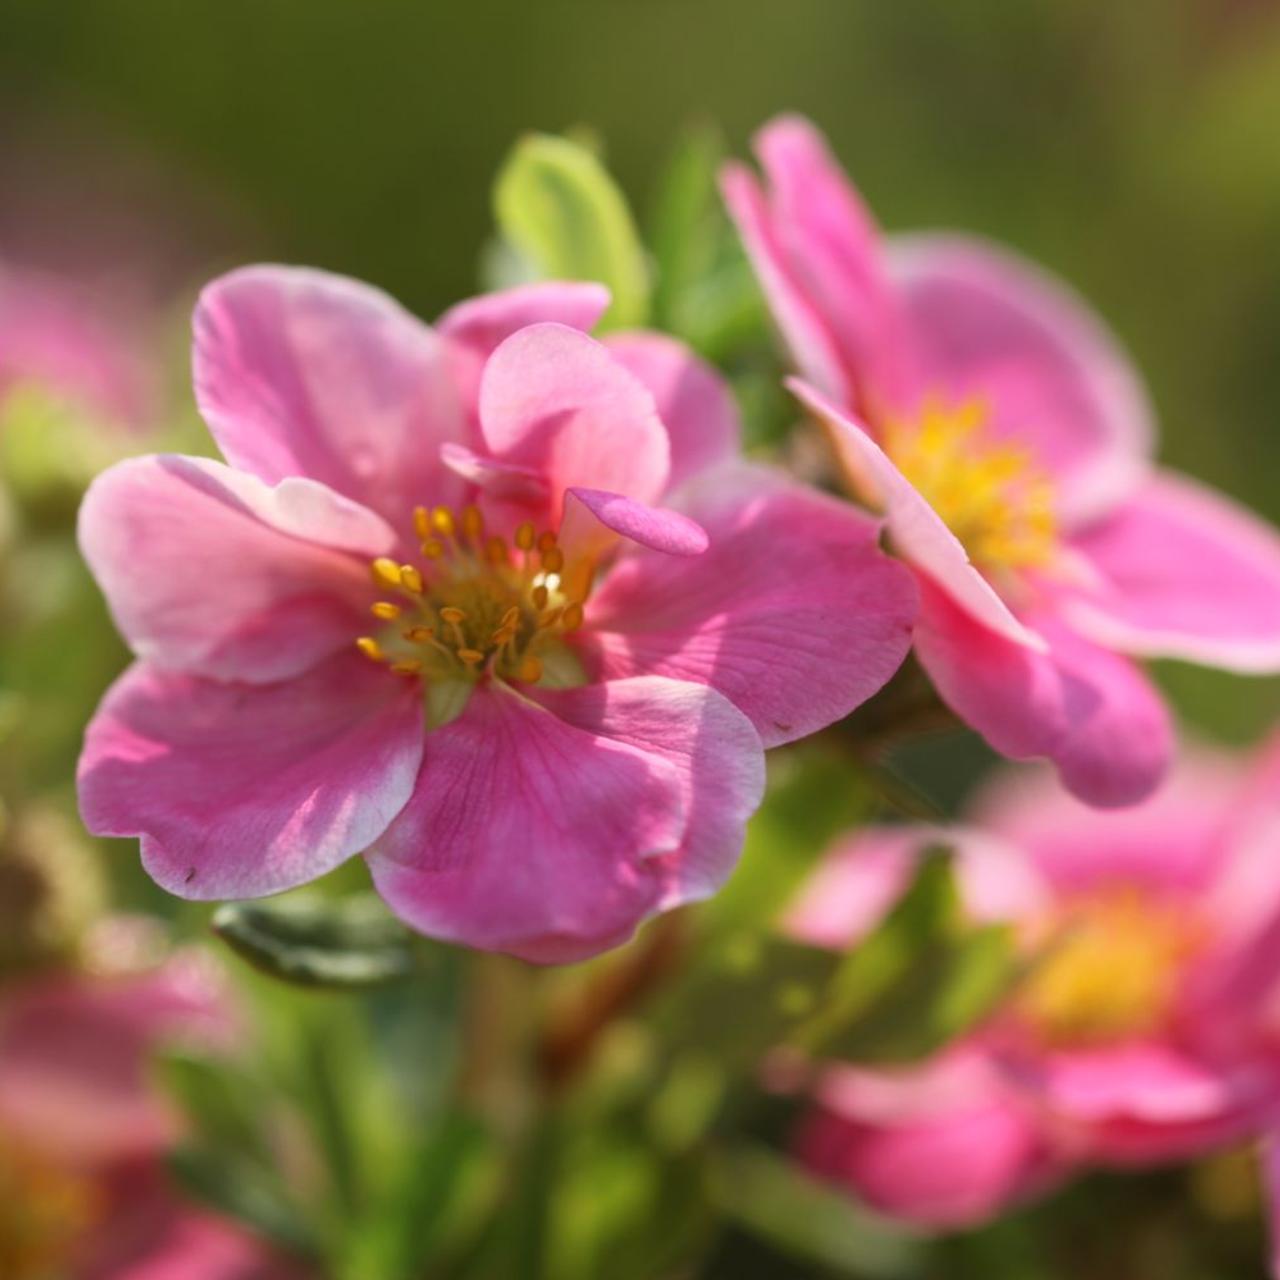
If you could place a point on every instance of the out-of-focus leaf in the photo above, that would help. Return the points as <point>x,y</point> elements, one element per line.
<point>220,1102</point>
<point>314,941</point>
<point>775,1199</point>
<point>557,206</point>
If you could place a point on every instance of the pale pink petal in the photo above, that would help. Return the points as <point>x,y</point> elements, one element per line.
<point>1183,573</point>
<point>834,249</point>
<point>693,400</point>
<point>812,345</point>
<point>556,401</point>
<point>551,829</point>
<point>485,321</point>
<point>793,613</point>
<point>948,1144</point>
<point>986,323</point>
<point>502,482</point>
<point>594,520</point>
<point>302,373</point>
<point>918,533</point>
<point>211,571</point>
<point>1093,713</point>
<point>241,790</point>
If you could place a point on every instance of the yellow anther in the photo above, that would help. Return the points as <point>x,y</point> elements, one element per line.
<point>571,618</point>
<point>540,595</point>
<point>371,649</point>
<point>442,521</point>
<point>411,579</point>
<point>524,537</point>
<point>553,560</point>
<point>419,635</point>
<point>471,657</point>
<point>386,573</point>
<point>495,550</point>
<point>410,667</point>
<point>433,548</point>
<point>385,610</point>
<point>422,522</point>
<point>452,614</point>
<point>550,618</point>
<point>511,617</point>
<point>530,670</point>
<point>546,541</point>
<point>472,522</point>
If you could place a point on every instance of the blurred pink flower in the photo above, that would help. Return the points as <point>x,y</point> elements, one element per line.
<point>1147,1029</point>
<point>554,725</point>
<point>1007,439</point>
<point>83,1135</point>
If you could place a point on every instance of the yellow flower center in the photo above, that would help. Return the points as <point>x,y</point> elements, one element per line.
<point>44,1212</point>
<point>1110,968</point>
<point>990,494</point>
<point>476,604</point>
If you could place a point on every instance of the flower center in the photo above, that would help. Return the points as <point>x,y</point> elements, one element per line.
<point>1111,969</point>
<point>43,1213</point>
<point>476,604</point>
<point>991,495</point>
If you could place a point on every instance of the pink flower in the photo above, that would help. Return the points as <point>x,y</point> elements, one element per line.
<point>1147,1030</point>
<point>1005,436</point>
<point>83,1135</point>
<point>431,611</point>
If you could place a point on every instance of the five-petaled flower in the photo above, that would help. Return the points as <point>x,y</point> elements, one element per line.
<point>1145,1029</point>
<point>430,611</point>
<point>996,423</point>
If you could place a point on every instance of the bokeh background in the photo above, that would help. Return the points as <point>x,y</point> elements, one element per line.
<point>1133,147</point>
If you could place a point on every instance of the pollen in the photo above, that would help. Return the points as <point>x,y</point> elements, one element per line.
<point>477,605</point>
<point>991,494</point>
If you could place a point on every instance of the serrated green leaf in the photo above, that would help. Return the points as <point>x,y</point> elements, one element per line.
<point>558,207</point>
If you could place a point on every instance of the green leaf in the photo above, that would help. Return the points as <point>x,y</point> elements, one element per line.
<point>314,941</point>
<point>557,206</point>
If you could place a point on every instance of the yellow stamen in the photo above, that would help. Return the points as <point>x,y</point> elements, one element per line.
<point>433,548</point>
<point>411,579</point>
<point>371,649</point>
<point>452,615</point>
<point>495,551</point>
<point>410,667</point>
<point>422,522</point>
<point>546,541</point>
<point>472,522</point>
<point>572,617</point>
<point>553,560</point>
<point>442,521</point>
<point>539,595</point>
<point>385,610</point>
<point>524,537</point>
<point>472,657</point>
<point>386,573</point>
<point>420,635</point>
<point>530,670</point>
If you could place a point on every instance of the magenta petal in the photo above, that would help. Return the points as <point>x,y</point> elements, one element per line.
<point>556,401</point>
<point>793,612</point>
<point>551,829</point>
<point>1184,573</point>
<point>242,790</point>
<point>1093,713</point>
<point>985,323</point>
<point>693,400</point>
<point>591,516</point>
<point>918,532</point>
<point>210,571</point>
<point>302,373</point>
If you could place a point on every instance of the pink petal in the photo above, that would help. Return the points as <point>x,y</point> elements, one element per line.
<point>693,400</point>
<point>301,373</point>
<point>955,1148</point>
<point>498,481</point>
<point>986,323</point>
<point>243,790</point>
<point>793,613</point>
<point>551,829</point>
<point>812,345</point>
<point>835,252</point>
<point>593,521</point>
<point>1093,713</point>
<point>1184,573</point>
<point>919,534</point>
<point>482,323</point>
<point>555,401</point>
<point>210,571</point>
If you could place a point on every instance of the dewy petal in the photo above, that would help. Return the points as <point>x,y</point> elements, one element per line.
<point>210,571</point>
<point>551,829</point>
<point>918,533</point>
<point>793,613</point>
<point>693,400</point>
<point>1093,713</point>
<point>835,251</point>
<point>302,373</point>
<point>554,400</point>
<point>594,520</point>
<point>242,790</point>
<point>986,323</point>
<point>1183,573</point>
